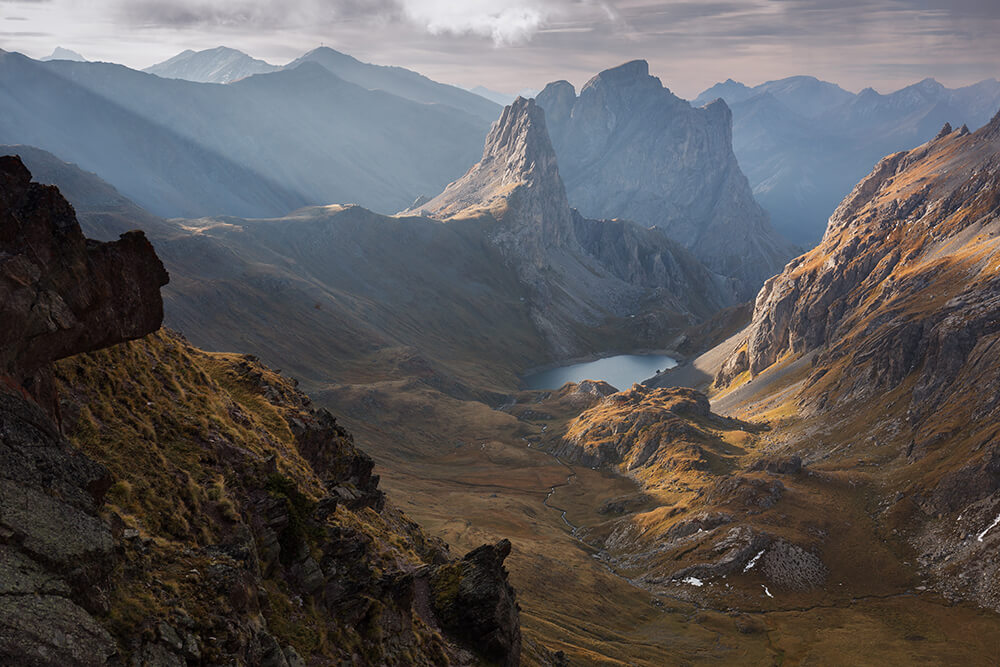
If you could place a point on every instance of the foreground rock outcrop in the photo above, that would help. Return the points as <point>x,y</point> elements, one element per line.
<point>61,294</point>
<point>198,510</point>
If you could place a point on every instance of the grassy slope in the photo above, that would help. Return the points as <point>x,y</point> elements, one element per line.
<point>188,437</point>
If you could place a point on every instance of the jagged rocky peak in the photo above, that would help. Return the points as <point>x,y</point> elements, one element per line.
<point>632,73</point>
<point>517,181</point>
<point>61,294</point>
<point>629,148</point>
<point>519,145</point>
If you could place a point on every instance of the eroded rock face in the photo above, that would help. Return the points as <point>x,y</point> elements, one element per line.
<point>897,284</point>
<point>629,148</point>
<point>60,294</point>
<point>518,177</point>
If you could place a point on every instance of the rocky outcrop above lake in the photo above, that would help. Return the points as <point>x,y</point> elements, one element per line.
<point>628,147</point>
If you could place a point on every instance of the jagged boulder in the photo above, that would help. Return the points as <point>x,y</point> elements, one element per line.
<point>472,599</point>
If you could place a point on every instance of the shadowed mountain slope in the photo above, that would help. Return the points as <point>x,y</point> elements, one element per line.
<point>262,146</point>
<point>628,147</point>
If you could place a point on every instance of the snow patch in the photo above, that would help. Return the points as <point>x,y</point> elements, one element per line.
<point>766,592</point>
<point>993,525</point>
<point>694,581</point>
<point>753,561</point>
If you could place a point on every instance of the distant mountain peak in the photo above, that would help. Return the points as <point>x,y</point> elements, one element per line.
<point>632,72</point>
<point>59,53</point>
<point>221,64</point>
<point>329,51</point>
<point>401,82</point>
<point>634,69</point>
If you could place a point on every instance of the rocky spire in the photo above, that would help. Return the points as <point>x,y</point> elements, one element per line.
<point>517,181</point>
<point>945,131</point>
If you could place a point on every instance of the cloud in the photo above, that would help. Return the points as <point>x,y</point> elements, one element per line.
<point>503,21</point>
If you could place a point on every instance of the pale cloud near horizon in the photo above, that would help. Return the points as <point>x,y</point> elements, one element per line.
<point>513,44</point>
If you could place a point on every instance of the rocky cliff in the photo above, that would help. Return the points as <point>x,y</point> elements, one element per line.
<point>628,147</point>
<point>905,259</point>
<point>61,294</point>
<point>518,180</point>
<point>198,509</point>
<point>888,329</point>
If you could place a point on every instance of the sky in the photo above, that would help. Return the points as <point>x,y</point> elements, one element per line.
<point>511,45</point>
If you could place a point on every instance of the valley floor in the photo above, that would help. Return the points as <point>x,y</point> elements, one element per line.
<point>471,474</point>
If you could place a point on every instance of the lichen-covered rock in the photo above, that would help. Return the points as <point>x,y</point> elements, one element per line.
<point>472,599</point>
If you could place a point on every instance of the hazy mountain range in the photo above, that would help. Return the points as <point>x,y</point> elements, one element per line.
<point>225,65</point>
<point>804,143</point>
<point>260,146</point>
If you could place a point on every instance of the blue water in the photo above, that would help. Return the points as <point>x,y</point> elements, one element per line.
<point>620,371</point>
